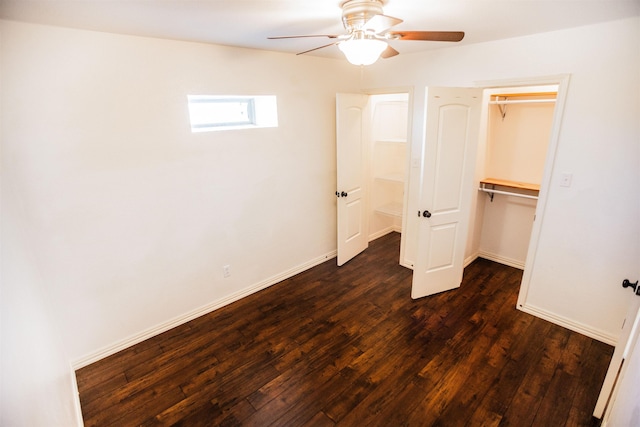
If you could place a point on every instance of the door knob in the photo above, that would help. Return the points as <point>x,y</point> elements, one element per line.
<point>627,284</point>
<point>426,214</point>
<point>344,194</point>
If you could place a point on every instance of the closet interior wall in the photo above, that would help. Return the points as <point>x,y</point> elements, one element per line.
<point>388,163</point>
<point>517,140</point>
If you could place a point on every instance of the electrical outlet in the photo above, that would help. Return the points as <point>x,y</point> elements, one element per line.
<point>226,271</point>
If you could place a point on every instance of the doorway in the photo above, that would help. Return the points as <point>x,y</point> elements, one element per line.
<point>388,158</point>
<point>561,84</point>
<point>372,154</point>
<point>510,166</point>
<point>426,246</point>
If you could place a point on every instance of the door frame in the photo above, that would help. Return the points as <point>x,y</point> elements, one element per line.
<point>619,399</point>
<point>622,352</point>
<point>409,90</point>
<point>562,80</point>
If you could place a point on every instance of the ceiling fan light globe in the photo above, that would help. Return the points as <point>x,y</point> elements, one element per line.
<point>362,51</point>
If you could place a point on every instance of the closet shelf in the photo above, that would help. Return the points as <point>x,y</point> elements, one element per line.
<point>522,101</point>
<point>512,188</point>
<point>391,209</point>
<point>394,177</point>
<point>550,97</point>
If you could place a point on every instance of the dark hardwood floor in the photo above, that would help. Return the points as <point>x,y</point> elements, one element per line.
<point>348,346</point>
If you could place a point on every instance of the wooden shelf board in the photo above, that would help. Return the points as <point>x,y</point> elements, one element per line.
<point>547,94</point>
<point>511,184</point>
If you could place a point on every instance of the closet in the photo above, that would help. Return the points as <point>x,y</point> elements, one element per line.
<point>371,152</point>
<point>388,158</point>
<point>510,170</point>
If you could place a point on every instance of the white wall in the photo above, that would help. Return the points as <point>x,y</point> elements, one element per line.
<point>122,219</point>
<point>590,236</point>
<point>36,381</point>
<point>506,227</point>
<point>517,144</point>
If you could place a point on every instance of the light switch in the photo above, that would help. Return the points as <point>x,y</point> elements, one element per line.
<point>565,181</point>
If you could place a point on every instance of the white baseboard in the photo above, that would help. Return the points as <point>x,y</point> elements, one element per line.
<point>544,314</point>
<point>570,324</point>
<point>468,260</point>
<point>407,264</point>
<point>214,305</point>
<point>384,232</point>
<point>502,260</point>
<point>76,398</point>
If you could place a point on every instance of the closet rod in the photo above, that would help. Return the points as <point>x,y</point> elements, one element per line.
<point>522,101</point>
<point>508,193</point>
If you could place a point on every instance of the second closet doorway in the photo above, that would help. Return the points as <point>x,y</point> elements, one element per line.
<point>388,158</point>
<point>510,171</point>
<point>371,148</point>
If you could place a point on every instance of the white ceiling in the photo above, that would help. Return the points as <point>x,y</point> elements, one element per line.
<point>248,23</point>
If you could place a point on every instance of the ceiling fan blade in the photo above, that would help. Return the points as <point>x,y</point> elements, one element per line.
<point>331,36</point>
<point>381,23</point>
<point>316,48</point>
<point>389,52</point>
<point>436,36</point>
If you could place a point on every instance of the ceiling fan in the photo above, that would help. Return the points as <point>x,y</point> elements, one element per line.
<point>368,31</point>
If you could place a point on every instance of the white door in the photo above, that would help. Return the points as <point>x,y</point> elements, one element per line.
<point>352,126</point>
<point>451,140</point>
<point>624,409</point>
<point>620,354</point>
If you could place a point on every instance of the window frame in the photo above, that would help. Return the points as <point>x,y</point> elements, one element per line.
<point>253,112</point>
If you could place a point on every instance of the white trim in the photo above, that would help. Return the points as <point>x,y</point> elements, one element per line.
<point>407,264</point>
<point>502,259</point>
<point>214,305</point>
<point>495,258</point>
<point>76,397</point>
<point>523,81</point>
<point>563,88</point>
<point>384,232</point>
<point>468,260</point>
<point>549,316</point>
<point>569,324</point>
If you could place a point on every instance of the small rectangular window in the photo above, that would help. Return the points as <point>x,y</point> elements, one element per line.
<point>211,113</point>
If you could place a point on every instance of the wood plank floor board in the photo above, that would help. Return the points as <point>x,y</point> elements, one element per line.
<point>97,380</point>
<point>594,363</point>
<point>347,346</point>
<point>505,352</point>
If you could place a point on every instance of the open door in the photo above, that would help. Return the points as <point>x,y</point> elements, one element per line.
<point>451,141</point>
<point>624,408</point>
<point>622,352</point>
<point>352,124</point>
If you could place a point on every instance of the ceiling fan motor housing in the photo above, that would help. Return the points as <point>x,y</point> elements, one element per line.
<point>355,13</point>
